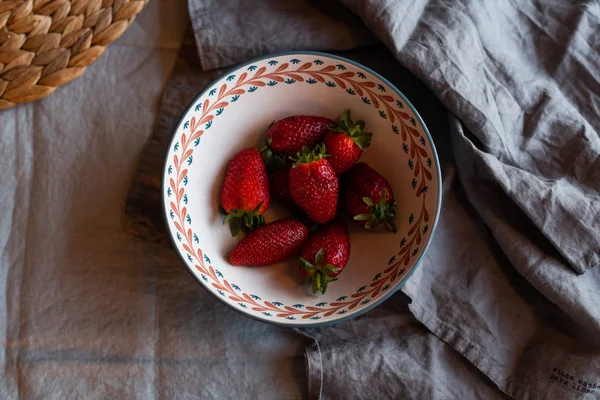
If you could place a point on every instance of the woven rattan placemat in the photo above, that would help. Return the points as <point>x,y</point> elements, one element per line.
<point>47,43</point>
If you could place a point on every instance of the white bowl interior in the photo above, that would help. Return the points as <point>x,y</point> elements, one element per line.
<point>273,293</point>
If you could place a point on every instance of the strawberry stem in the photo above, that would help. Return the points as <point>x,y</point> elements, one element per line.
<point>353,129</point>
<point>317,274</point>
<point>243,221</point>
<point>308,155</point>
<point>382,213</point>
<point>274,161</point>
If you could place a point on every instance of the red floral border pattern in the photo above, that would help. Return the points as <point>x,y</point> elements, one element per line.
<point>331,75</point>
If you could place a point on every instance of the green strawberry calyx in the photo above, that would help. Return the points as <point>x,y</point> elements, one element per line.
<point>353,129</point>
<point>274,161</point>
<point>317,274</point>
<point>244,221</point>
<point>380,213</point>
<point>308,155</point>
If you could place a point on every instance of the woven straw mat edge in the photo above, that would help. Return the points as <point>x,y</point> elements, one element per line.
<point>47,43</point>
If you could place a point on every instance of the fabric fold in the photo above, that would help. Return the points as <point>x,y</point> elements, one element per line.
<point>314,366</point>
<point>228,32</point>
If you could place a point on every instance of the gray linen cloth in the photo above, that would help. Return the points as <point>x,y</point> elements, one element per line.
<point>509,281</point>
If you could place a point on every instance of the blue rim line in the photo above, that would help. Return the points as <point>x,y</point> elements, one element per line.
<point>435,221</point>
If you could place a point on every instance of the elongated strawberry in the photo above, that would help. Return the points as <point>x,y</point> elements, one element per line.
<point>325,255</point>
<point>290,134</point>
<point>314,185</point>
<point>345,142</point>
<point>245,196</point>
<point>270,243</point>
<point>367,198</point>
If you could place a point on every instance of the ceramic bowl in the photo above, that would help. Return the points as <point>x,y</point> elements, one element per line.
<point>234,112</point>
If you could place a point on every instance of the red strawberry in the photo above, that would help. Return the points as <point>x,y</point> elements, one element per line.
<point>270,243</point>
<point>325,255</point>
<point>313,184</point>
<point>245,195</point>
<point>290,134</point>
<point>345,143</point>
<point>280,188</point>
<point>367,198</point>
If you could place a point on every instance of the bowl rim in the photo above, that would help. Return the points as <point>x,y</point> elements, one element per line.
<point>437,170</point>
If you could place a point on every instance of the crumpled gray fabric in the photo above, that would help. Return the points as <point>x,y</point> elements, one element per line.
<point>510,279</point>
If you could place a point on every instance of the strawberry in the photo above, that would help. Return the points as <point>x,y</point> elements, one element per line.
<point>325,255</point>
<point>280,189</point>
<point>270,243</point>
<point>345,142</point>
<point>367,198</point>
<point>313,184</point>
<point>290,134</point>
<point>245,196</point>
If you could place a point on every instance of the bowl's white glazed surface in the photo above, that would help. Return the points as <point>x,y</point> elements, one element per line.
<point>234,112</point>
